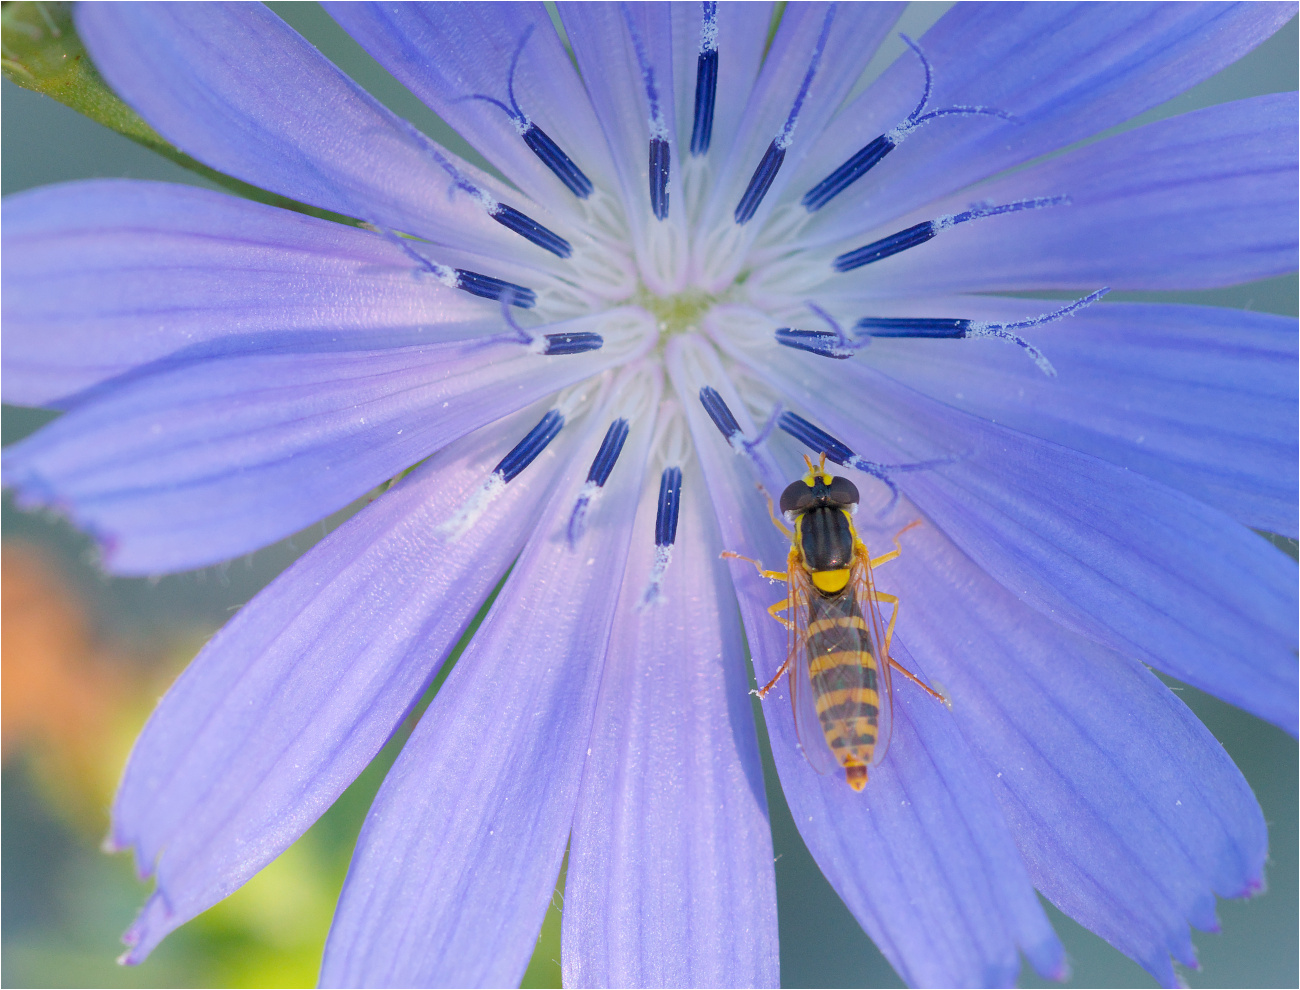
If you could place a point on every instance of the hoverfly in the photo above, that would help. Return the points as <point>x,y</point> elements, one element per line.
<point>839,686</point>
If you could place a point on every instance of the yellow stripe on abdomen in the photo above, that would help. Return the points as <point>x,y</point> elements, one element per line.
<point>856,695</point>
<point>837,622</point>
<point>841,658</point>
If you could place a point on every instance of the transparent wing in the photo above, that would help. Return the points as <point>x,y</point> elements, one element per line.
<point>807,725</point>
<point>864,589</point>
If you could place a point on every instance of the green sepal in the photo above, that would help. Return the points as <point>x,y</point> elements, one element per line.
<point>41,51</point>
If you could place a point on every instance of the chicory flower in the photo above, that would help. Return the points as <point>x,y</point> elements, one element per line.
<point>707,257</point>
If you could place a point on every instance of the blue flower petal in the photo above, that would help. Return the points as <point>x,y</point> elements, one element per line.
<point>461,849</point>
<point>780,110</point>
<point>107,275</point>
<point>670,879</point>
<point>1064,72</point>
<point>741,33</point>
<point>923,856</point>
<point>1201,399</point>
<point>1120,558</point>
<point>187,442</point>
<point>457,57</point>
<point>206,459</point>
<point>197,73</point>
<point>635,105</point>
<point>295,696</point>
<point>1195,201</point>
<point>1130,814</point>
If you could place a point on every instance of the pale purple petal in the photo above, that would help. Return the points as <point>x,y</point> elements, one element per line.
<point>198,463</point>
<point>1064,72</point>
<point>1120,558</point>
<point>1130,814</point>
<point>1199,398</point>
<point>922,856</point>
<point>670,880</point>
<point>635,104</point>
<point>741,37</point>
<point>106,275</point>
<point>450,54</point>
<point>294,697</point>
<point>229,373</point>
<point>1192,202</point>
<point>781,110</point>
<point>196,73</point>
<point>461,849</point>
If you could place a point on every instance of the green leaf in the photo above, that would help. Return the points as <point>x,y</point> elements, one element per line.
<point>41,51</point>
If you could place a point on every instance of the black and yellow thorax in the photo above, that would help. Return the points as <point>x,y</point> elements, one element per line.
<point>823,527</point>
<point>825,538</point>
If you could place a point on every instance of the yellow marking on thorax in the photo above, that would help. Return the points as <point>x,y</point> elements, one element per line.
<point>831,581</point>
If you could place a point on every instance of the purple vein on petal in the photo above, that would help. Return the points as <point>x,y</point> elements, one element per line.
<point>298,692</point>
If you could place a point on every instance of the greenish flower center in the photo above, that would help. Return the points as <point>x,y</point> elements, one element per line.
<point>680,313</point>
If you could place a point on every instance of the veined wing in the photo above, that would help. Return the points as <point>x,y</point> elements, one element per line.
<point>862,581</point>
<point>807,724</point>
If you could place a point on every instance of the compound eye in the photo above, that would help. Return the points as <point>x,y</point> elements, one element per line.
<point>842,492</point>
<point>797,497</point>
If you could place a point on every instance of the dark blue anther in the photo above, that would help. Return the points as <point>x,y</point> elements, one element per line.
<point>760,182</point>
<point>527,449</point>
<point>574,342</point>
<point>719,413</point>
<point>886,246</point>
<point>827,343</point>
<point>870,156</point>
<point>660,151</point>
<point>848,173</point>
<point>922,232</point>
<point>815,438</point>
<point>706,91</point>
<point>488,287</point>
<point>833,343</point>
<point>610,448</point>
<point>955,329</point>
<point>907,326</point>
<point>706,82</point>
<point>483,286</point>
<point>557,161</point>
<point>526,226</point>
<point>670,497</point>
<point>660,164</point>
<point>822,442</point>
<point>537,139</point>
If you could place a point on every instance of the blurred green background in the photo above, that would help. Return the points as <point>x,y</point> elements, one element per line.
<point>85,658</point>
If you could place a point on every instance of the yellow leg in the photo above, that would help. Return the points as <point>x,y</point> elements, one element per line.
<point>889,639</point>
<point>889,630</point>
<point>771,511</point>
<point>781,606</point>
<point>918,682</point>
<point>885,558</point>
<point>770,575</point>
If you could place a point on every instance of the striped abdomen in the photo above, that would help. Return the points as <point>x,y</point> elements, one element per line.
<point>845,684</point>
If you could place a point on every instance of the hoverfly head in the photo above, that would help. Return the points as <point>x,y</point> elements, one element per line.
<point>818,489</point>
